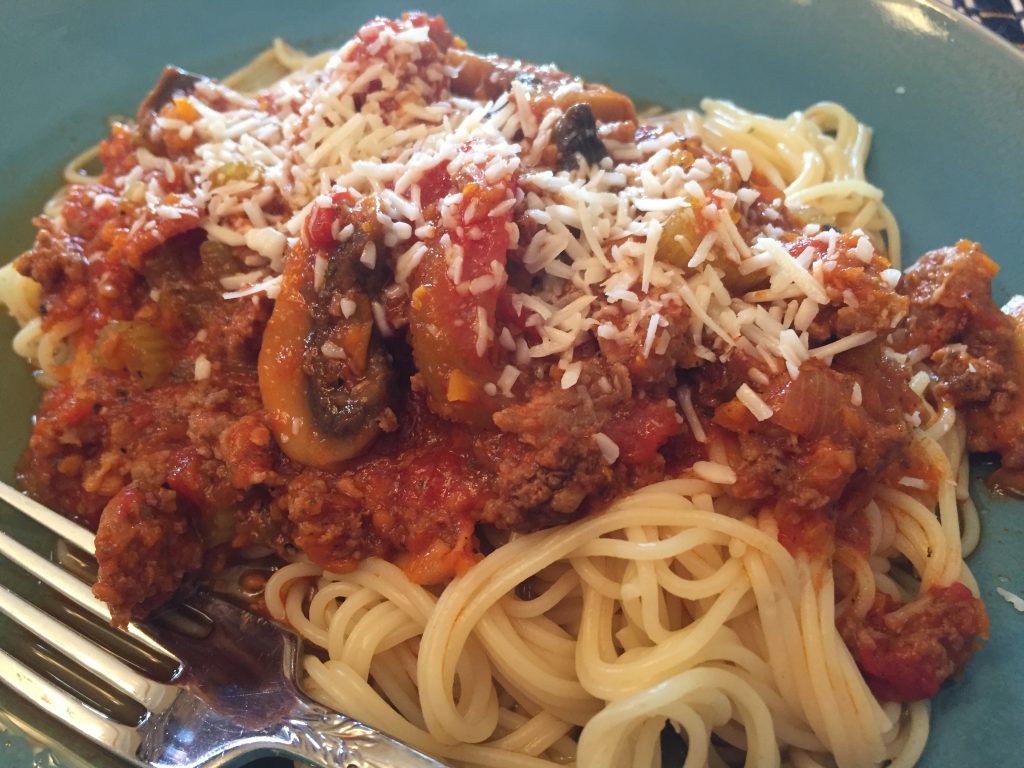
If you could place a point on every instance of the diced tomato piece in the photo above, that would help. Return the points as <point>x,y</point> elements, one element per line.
<point>63,408</point>
<point>318,227</point>
<point>508,314</point>
<point>185,476</point>
<point>641,428</point>
<point>320,221</point>
<point>448,316</point>
<point>434,184</point>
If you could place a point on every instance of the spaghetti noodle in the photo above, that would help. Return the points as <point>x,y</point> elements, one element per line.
<point>675,605</point>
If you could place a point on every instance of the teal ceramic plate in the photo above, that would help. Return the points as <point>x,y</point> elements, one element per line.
<point>945,98</point>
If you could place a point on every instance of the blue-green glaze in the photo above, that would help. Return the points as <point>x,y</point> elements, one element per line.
<point>946,100</point>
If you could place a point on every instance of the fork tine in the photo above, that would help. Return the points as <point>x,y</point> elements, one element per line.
<point>155,696</point>
<point>68,585</point>
<point>41,692</point>
<point>46,517</point>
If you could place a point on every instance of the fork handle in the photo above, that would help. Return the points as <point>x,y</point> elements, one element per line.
<point>331,740</point>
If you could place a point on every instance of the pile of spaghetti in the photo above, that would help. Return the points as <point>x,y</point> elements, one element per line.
<point>565,423</point>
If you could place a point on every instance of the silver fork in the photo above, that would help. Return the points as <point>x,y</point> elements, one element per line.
<point>232,697</point>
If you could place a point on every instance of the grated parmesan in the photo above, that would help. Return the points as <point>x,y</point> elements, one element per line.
<point>713,472</point>
<point>571,375</point>
<point>609,449</point>
<point>753,402</point>
<point>203,368</point>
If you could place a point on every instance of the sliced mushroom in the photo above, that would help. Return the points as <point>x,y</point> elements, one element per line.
<point>487,77</point>
<point>325,376</point>
<point>345,362</point>
<point>576,134</point>
<point>173,82</point>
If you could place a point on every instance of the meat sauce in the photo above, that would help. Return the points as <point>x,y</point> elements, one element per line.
<point>906,651</point>
<point>343,422</point>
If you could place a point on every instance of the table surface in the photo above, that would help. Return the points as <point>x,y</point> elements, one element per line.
<point>1004,17</point>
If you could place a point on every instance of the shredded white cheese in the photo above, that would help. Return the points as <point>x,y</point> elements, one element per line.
<point>713,472</point>
<point>758,407</point>
<point>609,449</point>
<point>202,368</point>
